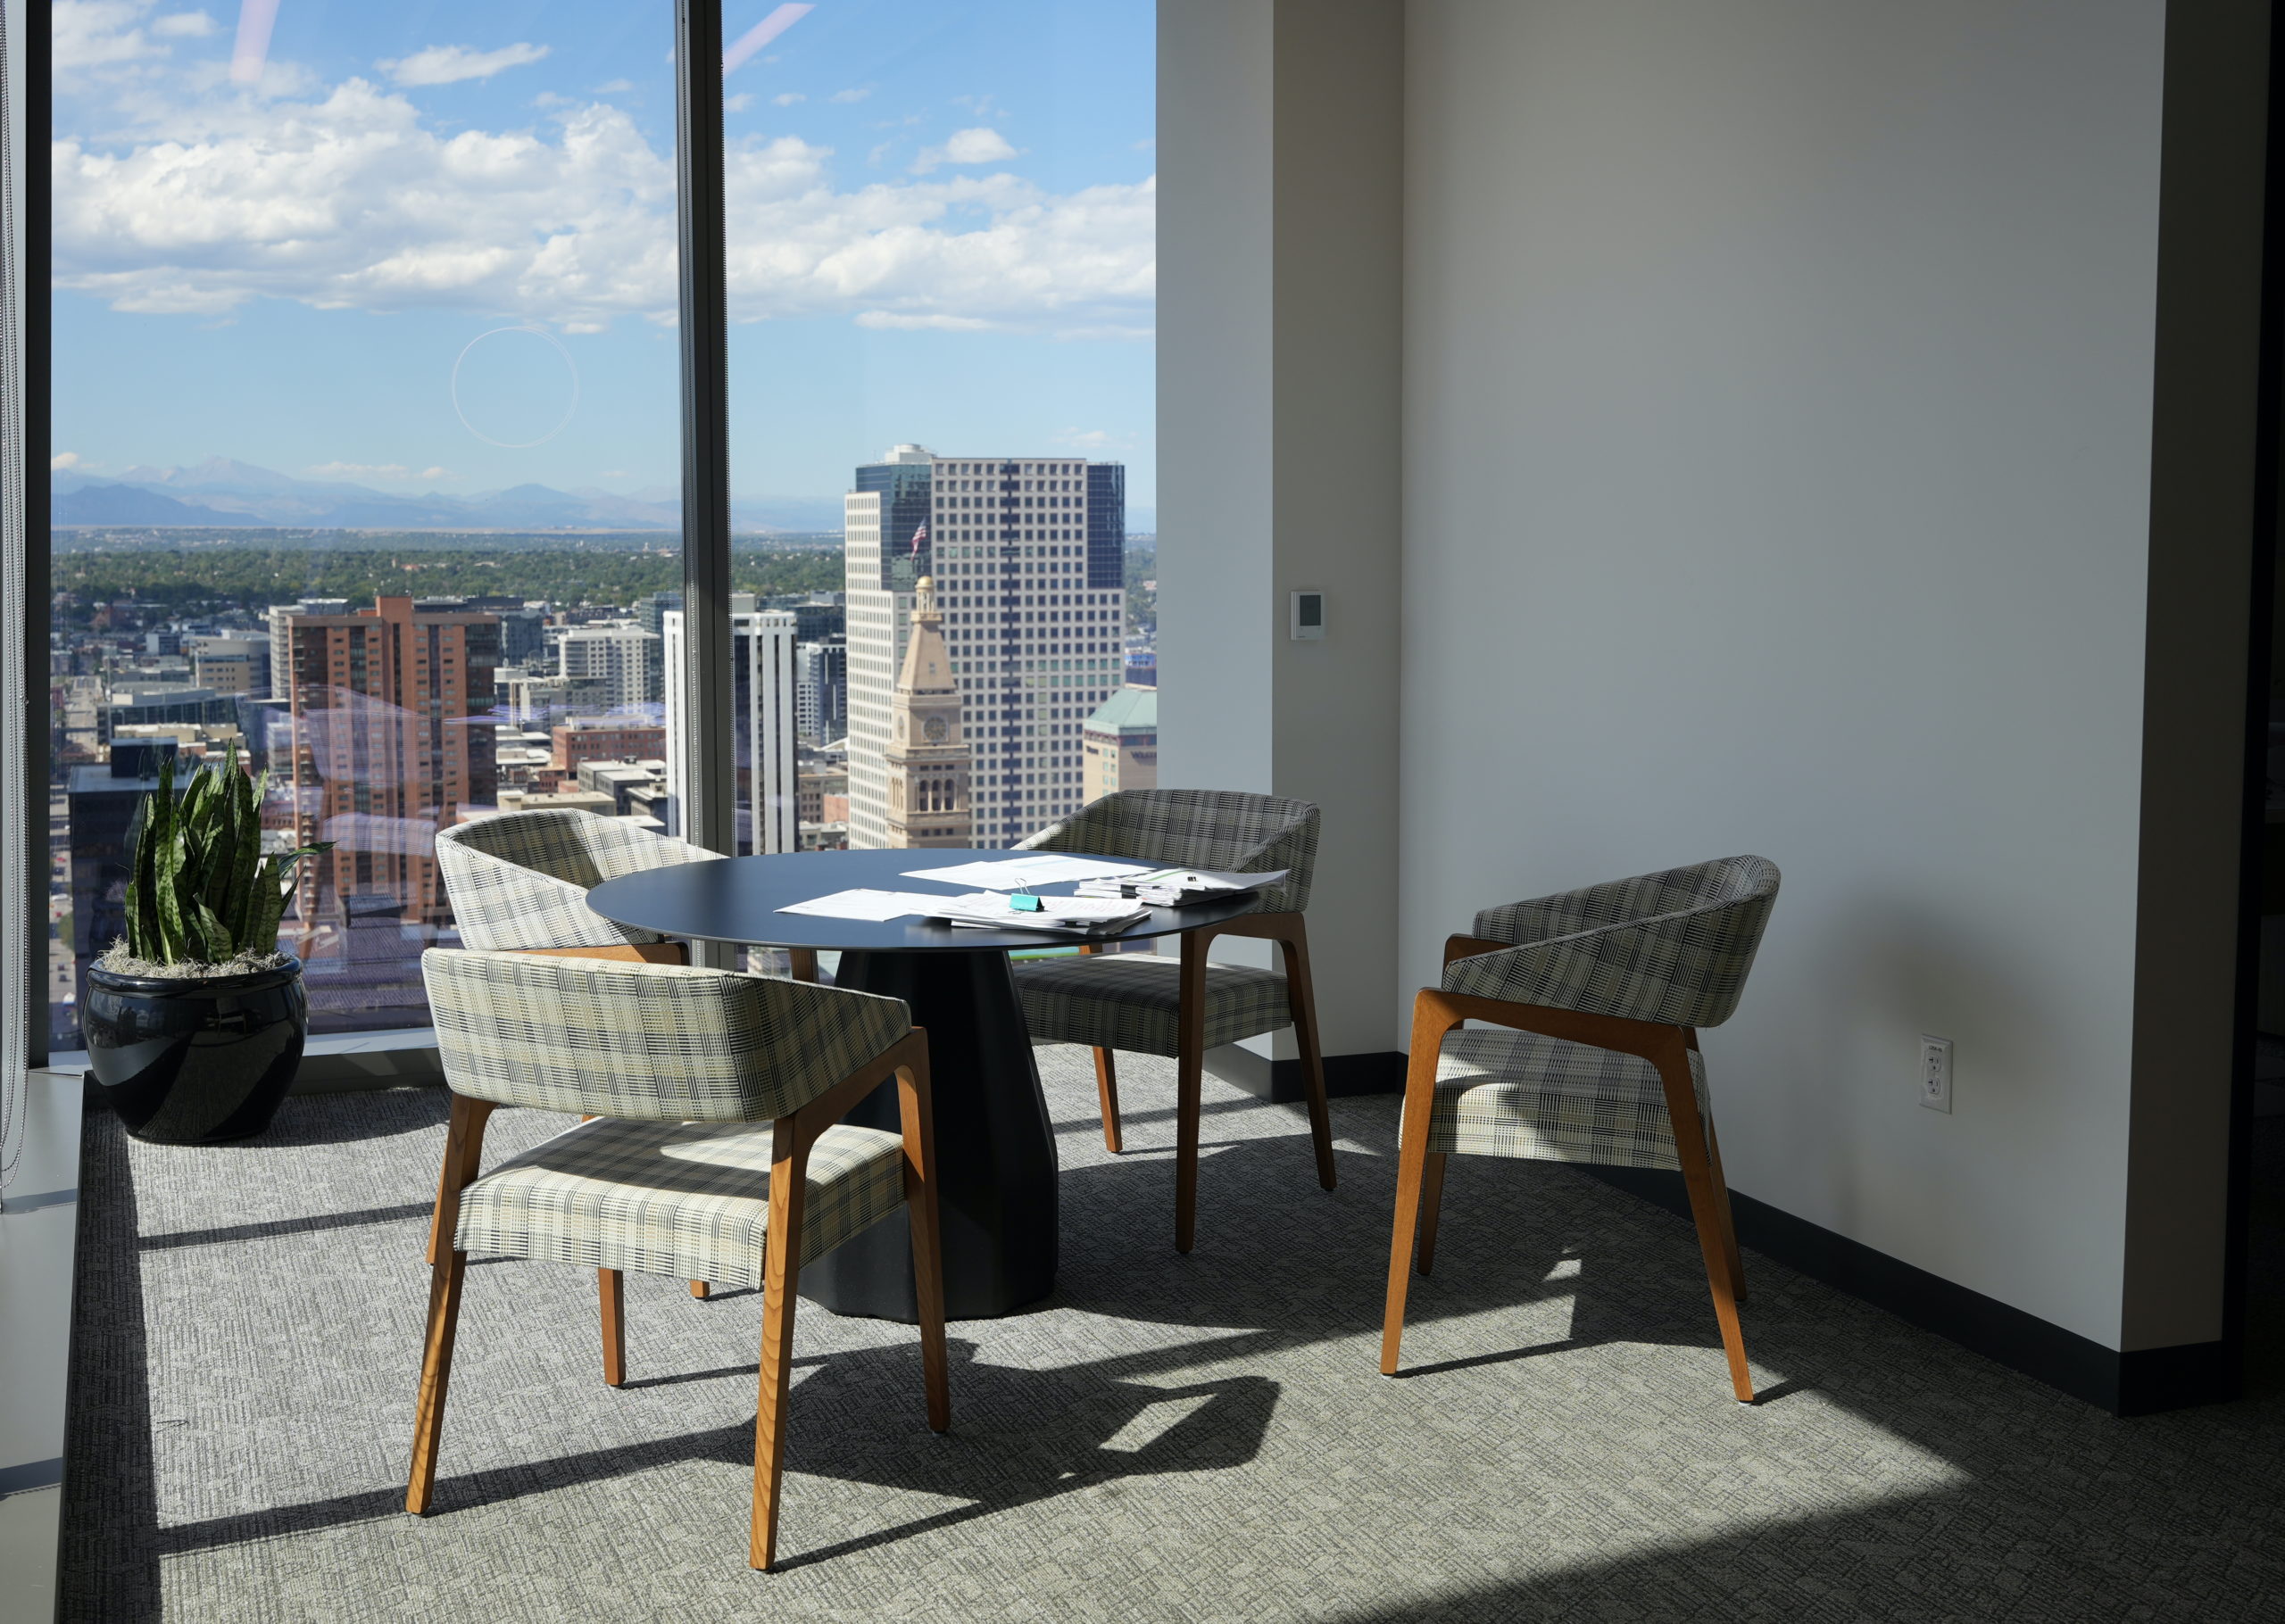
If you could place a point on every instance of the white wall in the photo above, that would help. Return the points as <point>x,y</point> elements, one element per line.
<point>1279,437</point>
<point>1778,384</point>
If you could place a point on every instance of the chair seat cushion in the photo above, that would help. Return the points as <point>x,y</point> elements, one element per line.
<point>1519,1094</point>
<point>1132,1000</point>
<point>688,1200</point>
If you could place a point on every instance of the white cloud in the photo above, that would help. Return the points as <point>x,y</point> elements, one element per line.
<point>977,145</point>
<point>63,459</point>
<point>738,103</point>
<point>1087,439</point>
<point>855,94</point>
<point>617,86</point>
<point>99,33</point>
<point>450,64</point>
<point>438,473</point>
<point>352,200</point>
<point>788,98</point>
<point>185,25</point>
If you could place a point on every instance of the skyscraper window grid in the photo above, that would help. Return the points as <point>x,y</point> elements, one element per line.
<point>1034,606</point>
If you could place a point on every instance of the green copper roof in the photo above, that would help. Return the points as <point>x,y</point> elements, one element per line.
<point>1129,710</point>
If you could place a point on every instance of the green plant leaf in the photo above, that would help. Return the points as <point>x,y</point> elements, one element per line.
<point>247,802</point>
<point>166,866</point>
<point>269,907</point>
<point>142,909</point>
<point>206,930</point>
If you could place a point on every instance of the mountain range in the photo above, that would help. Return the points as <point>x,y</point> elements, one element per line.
<point>225,493</point>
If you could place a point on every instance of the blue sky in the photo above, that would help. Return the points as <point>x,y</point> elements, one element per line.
<point>391,248</point>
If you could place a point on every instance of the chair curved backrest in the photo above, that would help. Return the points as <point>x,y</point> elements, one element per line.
<point>1672,946</point>
<point>1224,829</point>
<point>646,1042</point>
<point>520,880</point>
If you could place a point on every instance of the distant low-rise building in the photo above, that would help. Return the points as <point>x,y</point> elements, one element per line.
<point>1120,741</point>
<point>580,739</point>
<point>235,667</point>
<point>618,655</point>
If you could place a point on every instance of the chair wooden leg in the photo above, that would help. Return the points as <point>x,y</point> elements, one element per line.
<point>1735,1264</point>
<point>463,1145</point>
<point>701,1291</point>
<point>1190,1069</point>
<point>917,1120</point>
<point>802,963</point>
<point>470,1152</point>
<point>1432,1201</point>
<point>781,1280</point>
<point>1106,1077</point>
<point>1705,1211</point>
<point>1190,1083</point>
<point>1107,1089</point>
<point>610,1297</point>
<point>436,1374</point>
<point>1302,1002</point>
<point>1430,1023</point>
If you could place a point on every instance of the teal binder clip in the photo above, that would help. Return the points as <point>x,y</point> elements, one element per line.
<point>1024,902</point>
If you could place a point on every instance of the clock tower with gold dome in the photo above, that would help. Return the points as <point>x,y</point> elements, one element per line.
<point>928,758</point>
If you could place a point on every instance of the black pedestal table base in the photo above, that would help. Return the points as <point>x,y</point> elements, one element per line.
<point>995,1151</point>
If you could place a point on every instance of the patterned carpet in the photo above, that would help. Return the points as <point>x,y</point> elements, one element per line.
<point>1167,1439</point>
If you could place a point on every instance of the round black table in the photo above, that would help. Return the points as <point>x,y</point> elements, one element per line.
<point>995,1151</point>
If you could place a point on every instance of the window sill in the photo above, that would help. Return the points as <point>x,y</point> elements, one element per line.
<point>343,1062</point>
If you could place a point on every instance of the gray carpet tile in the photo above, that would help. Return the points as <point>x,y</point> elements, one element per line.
<point>1196,1439</point>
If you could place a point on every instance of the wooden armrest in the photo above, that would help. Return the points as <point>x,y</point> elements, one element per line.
<point>632,952</point>
<point>1468,947</point>
<point>1647,1038</point>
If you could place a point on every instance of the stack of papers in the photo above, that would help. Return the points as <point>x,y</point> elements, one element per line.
<point>983,910</point>
<point>873,905</point>
<point>1065,916</point>
<point>1027,873</point>
<point>1175,887</point>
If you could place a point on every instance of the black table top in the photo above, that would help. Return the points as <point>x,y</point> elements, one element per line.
<point>737,898</point>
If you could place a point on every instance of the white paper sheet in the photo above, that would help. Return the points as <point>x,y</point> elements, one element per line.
<point>1019,873</point>
<point>992,907</point>
<point>874,904</point>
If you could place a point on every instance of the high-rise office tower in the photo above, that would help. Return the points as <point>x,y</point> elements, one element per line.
<point>618,659</point>
<point>928,760</point>
<point>392,736</point>
<point>1028,558</point>
<point>823,705</point>
<point>764,688</point>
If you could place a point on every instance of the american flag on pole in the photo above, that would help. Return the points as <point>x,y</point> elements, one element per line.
<point>918,536</point>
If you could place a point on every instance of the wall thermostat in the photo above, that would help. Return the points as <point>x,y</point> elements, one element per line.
<point>1308,617</point>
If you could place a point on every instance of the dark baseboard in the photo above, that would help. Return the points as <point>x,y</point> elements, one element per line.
<point>1279,1082</point>
<point>2140,1383</point>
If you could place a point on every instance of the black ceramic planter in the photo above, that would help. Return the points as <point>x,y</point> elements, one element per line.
<point>190,1062</point>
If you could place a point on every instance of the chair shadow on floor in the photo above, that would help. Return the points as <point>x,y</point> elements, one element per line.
<point>1211,1425</point>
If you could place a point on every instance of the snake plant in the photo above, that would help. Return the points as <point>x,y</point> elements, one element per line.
<point>202,891</point>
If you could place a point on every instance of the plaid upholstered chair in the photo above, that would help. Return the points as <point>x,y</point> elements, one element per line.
<point>1153,1005</point>
<point>716,1150</point>
<point>520,880</point>
<point>1592,1000</point>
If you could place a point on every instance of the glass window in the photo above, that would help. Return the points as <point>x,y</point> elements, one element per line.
<point>942,245</point>
<point>365,415</point>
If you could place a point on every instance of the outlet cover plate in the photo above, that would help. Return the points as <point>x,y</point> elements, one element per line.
<point>1936,1072</point>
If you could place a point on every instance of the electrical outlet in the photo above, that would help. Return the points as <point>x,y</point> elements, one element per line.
<point>1936,1072</point>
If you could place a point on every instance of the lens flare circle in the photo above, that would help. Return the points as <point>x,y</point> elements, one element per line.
<point>530,330</point>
